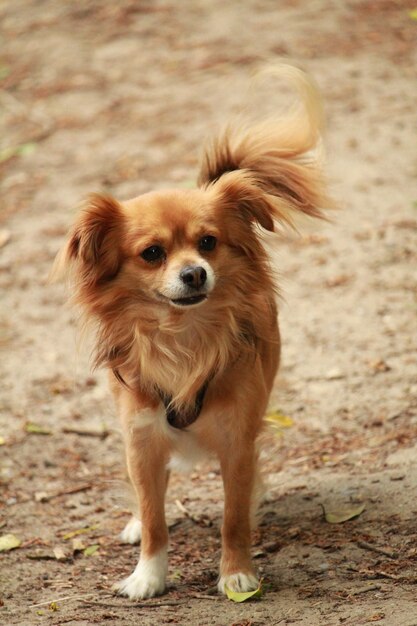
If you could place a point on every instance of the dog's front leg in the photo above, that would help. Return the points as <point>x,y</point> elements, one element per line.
<point>238,465</point>
<point>146,462</point>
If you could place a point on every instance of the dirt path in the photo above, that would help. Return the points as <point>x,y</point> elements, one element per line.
<point>118,97</point>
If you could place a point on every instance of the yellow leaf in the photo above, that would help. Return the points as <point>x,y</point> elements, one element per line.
<point>237,596</point>
<point>343,514</point>
<point>9,542</point>
<point>413,14</point>
<point>80,531</point>
<point>2,441</point>
<point>276,418</point>
<point>53,606</point>
<point>35,429</point>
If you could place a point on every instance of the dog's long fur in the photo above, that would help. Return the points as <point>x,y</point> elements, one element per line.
<point>161,353</point>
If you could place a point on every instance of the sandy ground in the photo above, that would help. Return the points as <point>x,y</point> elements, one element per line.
<point>118,97</point>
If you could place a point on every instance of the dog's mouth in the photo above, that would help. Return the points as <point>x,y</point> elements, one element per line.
<point>190,300</point>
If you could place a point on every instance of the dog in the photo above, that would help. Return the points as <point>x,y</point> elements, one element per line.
<point>181,291</point>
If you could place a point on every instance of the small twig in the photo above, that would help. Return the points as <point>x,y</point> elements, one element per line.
<point>373,573</point>
<point>33,606</point>
<point>383,574</point>
<point>197,520</point>
<point>361,590</point>
<point>86,432</point>
<point>384,551</point>
<point>124,605</point>
<point>66,492</point>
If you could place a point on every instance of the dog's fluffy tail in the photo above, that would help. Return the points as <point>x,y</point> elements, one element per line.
<point>280,156</point>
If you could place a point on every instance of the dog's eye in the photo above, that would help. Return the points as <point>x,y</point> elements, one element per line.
<point>207,243</point>
<point>153,253</point>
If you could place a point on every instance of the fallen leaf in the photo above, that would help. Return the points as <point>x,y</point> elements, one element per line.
<point>413,14</point>
<point>36,429</point>
<point>27,148</point>
<point>53,606</point>
<point>343,514</point>
<point>90,550</point>
<point>59,554</point>
<point>80,531</point>
<point>78,545</point>
<point>276,418</point>
<point>334,374</point>
<point>237,596</point>
<point>12,151</point>
<point>379,366</point>
<point>2,441</point>
<point>41,496</point>
<point>9,542</point>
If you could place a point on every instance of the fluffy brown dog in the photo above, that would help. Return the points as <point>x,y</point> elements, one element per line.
<point>180,287</point>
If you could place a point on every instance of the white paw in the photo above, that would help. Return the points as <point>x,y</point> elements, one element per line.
<point>132,532</point>
<point>147,580</point>
<point>238,582</point>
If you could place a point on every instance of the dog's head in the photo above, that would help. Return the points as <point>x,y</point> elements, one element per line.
<point>176,249</point>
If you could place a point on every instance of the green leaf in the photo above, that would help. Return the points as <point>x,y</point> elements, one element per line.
<point>343,514</point>
<point>27,148</point>
<point>91,550</point>
<point>237,596</point>
<point>9,542</point>
<point>23,150</point>
<point>36,429</point>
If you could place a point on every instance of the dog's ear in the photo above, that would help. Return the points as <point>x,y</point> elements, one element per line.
<point>237,192</point>
<point>93,247</point>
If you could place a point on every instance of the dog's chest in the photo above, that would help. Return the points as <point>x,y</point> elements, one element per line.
<point>179,365</point>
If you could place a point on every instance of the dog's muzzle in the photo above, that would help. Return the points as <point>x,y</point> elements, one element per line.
<point>194,278</point>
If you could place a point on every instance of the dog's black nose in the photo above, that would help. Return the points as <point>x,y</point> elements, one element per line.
<point>193,276</point>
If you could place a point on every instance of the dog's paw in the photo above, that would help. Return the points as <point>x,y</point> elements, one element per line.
<point>238,582</point>
<point>147,580</point>
<point>132,532</point>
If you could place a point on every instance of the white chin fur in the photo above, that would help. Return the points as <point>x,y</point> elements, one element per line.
<point>132,532</point>
<point>238,582</point>
<point>148,578</point>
